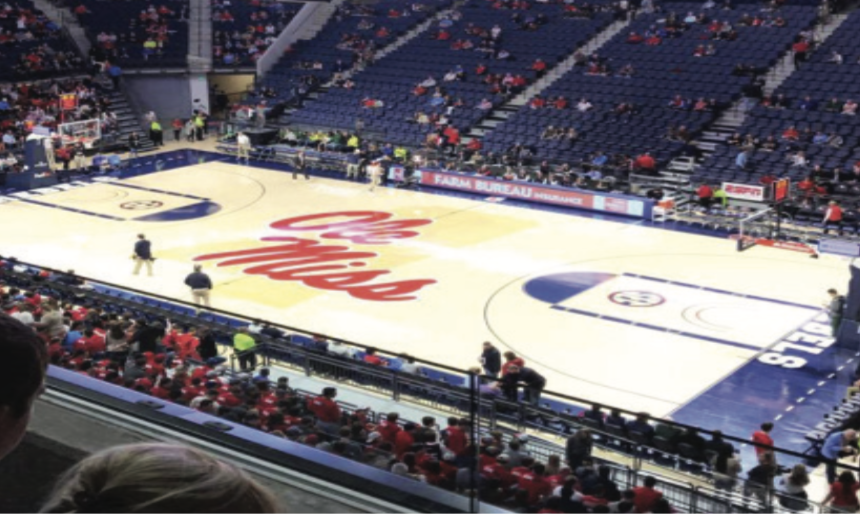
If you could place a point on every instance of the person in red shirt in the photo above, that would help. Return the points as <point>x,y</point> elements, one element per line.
<point>539,67</point>
<point>55,350</point>
<point>186,343</point>
<point>511,359</point>
<point>192,390</point>
<point>327,411</point>
<point>537,103</point>
<point>843,493</point>
<point>231,397</point>
<point>560,103</point>
<point>93,343</point>
<point>162,389</point>
<point>454,436</point>
<point>405,440</point>
<point>499,471</point>
<point>833,217</point>
<point>536,484</point>
<point>646,496</point>
<point>389,427</point>
<point>791,134</point>
<point>525,467</point>
<point>762,436</point>
<point>706,195</point>
<point>370,357</point>
<point>645,162</point>
<point>800,48</point>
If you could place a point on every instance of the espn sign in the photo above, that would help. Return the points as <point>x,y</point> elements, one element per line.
<point>745,192</point>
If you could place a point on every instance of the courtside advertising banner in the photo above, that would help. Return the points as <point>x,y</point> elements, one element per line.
<point>745,192</point>
<point>537,193</point>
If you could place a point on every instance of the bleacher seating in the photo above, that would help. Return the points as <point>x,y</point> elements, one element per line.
<point>120,32</point>
<point>37,104</point>
<point>244,29</point>
<point>660,73</point>
<point>352,32</point>
<point>393,79</point>
<point>829,164</point>
<point>33,47</point>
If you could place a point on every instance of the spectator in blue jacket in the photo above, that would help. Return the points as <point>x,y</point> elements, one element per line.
<point>836,446</point>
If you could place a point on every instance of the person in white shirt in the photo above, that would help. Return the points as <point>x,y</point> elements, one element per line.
<point>256,327</point>
<point>835,58</point>
<point>584,105</point>
<point>24,314</point>
<point>409,365</point>
<point>339,349</point>
<point>244,148</point>
<point>375,171</point>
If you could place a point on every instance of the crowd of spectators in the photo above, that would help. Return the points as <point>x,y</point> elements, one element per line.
<point>518,163</point>
<point>32,46</point>
<point>135,33</point>
<point>244,29</point>
<point>25,106</point>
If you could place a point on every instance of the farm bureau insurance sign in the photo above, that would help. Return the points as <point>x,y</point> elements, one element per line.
<point>536,193</point>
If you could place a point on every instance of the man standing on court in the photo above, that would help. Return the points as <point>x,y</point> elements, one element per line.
<point>300,165</point>
<point>835,306</point>
<point>200,284</point>
<point>133,145</point>
<point>375,172</point>
<point>80,157</point>
<point>243,149</point>
<point>142,254</point>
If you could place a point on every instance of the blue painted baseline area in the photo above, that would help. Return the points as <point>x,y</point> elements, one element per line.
<point>793,382</point>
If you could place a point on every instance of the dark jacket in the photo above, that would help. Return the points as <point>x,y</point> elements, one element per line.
<point>492,360</point>
<point>143,249</point>
<point>198,280</point>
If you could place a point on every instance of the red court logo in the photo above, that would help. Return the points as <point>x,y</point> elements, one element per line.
<point>328,266</point>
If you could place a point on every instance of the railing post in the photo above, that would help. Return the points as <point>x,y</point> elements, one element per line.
<point>395,386</point>
<point>474,420</point>
<point>307,365</point>
<point>694,497</point>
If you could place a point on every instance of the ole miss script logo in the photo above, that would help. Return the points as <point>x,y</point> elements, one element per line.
<point>331,266</point>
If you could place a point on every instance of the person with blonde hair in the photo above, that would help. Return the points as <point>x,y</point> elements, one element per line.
<point>157,478</point>
<point>792,489</point>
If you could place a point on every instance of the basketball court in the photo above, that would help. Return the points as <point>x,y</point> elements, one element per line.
<point>629,315</point>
